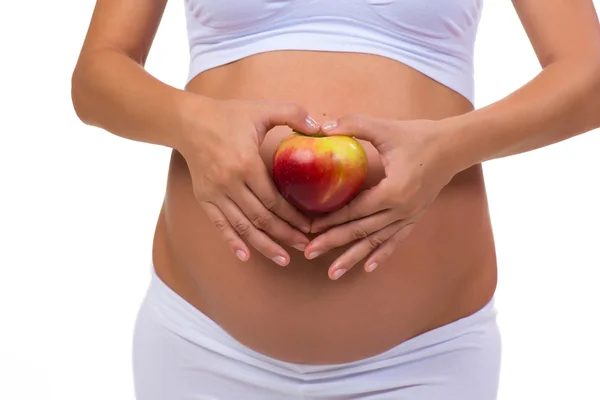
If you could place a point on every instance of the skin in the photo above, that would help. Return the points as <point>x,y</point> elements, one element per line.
<point>531,118</point>
<point>434,248</point>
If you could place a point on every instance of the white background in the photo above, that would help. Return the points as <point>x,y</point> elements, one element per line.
<point>78,208</point>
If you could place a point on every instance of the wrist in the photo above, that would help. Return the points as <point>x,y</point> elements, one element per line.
<point>193,112</point>
<point>454,143</point>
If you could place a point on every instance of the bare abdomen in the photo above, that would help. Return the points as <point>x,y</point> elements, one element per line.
<point>443,271</point>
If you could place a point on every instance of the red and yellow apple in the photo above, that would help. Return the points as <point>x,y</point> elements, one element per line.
<point>318,173</point>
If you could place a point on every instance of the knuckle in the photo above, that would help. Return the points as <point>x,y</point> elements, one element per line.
<point>357,121</point>
<point>202,188</point>
<point>221,225</point>
<point>399,201</point>
<point>270,203</point>
<point>225,174</point>
<point>363,123</point>
<point>412,209</point>
<point>292,109</point>
<point>374,242</point>
<point>242,228</point>
<point>359,233</point>
<point>262,221</point>
<point>244,165</point>
<point>406,198</point>
<point>391,194</point>
<point>396,199</point>
<point>406,208</point>
<point>221,177</point>
<point>200,194</point>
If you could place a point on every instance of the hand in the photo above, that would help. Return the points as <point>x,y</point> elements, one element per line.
<point>230,180</point>
<point>381,217</point>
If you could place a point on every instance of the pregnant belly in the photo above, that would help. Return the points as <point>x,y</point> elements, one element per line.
<point>444,270</point>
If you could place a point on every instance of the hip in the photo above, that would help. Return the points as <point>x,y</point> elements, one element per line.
<point>181,353</point>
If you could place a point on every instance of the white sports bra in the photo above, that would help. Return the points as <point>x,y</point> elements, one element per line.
<point>435,37</point>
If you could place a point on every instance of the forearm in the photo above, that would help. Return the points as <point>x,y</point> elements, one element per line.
<point>113,92</point>
<point>561,102</point>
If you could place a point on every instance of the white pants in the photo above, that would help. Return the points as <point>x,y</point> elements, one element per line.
<point>181,354</point>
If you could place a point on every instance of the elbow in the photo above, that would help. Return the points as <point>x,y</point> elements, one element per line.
<point>84,91</point>
<point>594,94</point>
<point>586,74</point>
<point>596,78</point>
<point>78,95</point>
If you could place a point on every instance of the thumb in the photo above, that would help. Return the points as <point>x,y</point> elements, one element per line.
<point>292,115</point>
<point>356,125</point>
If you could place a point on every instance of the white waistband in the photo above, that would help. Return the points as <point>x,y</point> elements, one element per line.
<point>177,315</point>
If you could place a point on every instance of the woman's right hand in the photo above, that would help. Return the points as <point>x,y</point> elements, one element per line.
<point>220,143</point>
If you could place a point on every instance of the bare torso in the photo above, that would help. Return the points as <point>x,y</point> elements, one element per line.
<point>445,270</point>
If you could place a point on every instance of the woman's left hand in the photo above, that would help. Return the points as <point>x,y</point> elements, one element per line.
<point>415,157</point>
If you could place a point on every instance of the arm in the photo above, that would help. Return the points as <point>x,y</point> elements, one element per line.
<point>421,156</point>
<point>561,102</point>
<point>219,139</point>
<point>110,87</point>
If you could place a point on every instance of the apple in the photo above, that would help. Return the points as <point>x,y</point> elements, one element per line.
<point>318,173</point>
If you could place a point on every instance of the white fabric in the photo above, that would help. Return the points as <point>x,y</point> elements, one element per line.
<point>181,354</point>
<point>435,37</point>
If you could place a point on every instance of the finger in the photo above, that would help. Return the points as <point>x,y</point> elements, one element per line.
<point>266,221</point>
<point>384,251</point>
<point>292,115</point>
<point>362,249</point>
<point>233,240</point>
<point>348,233</point>
<point>357,125</point>
<point>368,202</point>
<point>251,235</point>
<point>264,189</point>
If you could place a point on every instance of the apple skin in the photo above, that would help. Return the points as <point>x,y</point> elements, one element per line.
<point>317,173</point>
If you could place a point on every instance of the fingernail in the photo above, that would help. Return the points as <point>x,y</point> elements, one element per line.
<point>314,254</point>
<point>280,260</point>
<point>338,272</point>
<point>305,228</point>
<point>311,122</point>
<point>300,246</point>
<point>329,126</point>
<point>371,267</point>
<point>241,255</point>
